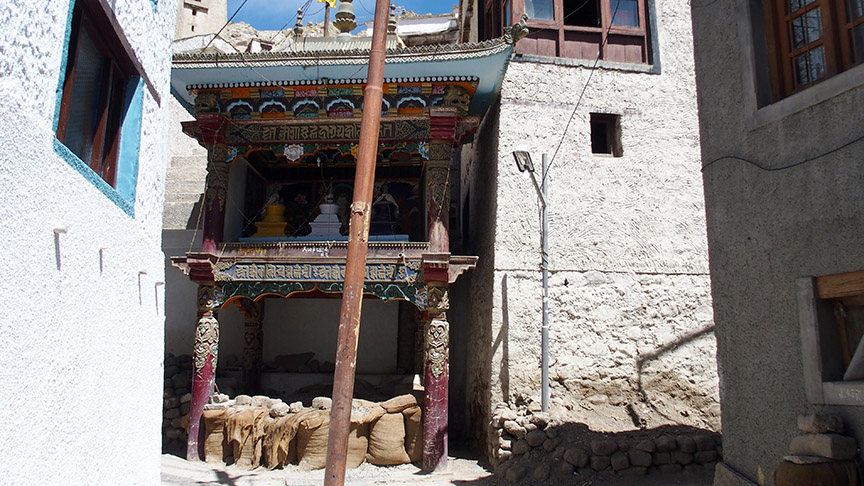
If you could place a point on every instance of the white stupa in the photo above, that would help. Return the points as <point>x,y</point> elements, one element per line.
<point>327,223</point>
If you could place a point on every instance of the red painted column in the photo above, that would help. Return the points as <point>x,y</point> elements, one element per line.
<point>215,198</point>
<point>437,373</point>
<point>204,368</point>
<point>437,178</point>
<point>253,345</point>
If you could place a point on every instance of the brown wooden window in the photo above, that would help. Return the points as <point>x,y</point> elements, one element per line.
<point>95,99</point>
<point>812,40</point>
<point>613,30</point>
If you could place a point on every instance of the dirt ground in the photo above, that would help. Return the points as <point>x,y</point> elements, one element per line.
<point>460,471</point>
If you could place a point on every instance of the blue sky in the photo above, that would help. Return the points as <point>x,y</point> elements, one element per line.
<point>274,14</point>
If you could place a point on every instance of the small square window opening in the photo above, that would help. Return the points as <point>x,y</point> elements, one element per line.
<point>606,134</point>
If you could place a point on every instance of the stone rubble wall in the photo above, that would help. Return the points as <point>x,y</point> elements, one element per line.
<point>530,445</point>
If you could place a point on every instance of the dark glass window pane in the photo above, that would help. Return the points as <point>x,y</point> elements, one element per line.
<point>584,13</point>
<point>857,34</point>
<point>795,5</point>
<point>625,13</point>
<point>801,73</point>
<point>813,20</point>
<point>817,63</point>
<point>856,9</point>
<point>799,36</point>
<point>84,102</point>
<point>539,9</point>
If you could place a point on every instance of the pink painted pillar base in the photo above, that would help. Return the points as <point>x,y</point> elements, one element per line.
<point>437,376</point>
<point>204,368</point>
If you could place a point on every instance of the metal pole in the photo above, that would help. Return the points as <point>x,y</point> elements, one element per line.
<point>355,265</point>
<point>326,20</point>
<point>544,341</point>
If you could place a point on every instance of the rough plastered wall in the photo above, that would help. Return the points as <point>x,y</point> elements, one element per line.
<point>631,330</point>
<point>81,336</point>
<point>766,229</point>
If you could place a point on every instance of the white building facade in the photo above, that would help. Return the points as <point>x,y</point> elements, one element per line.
<point>84,84</point>
<point>612,101</point>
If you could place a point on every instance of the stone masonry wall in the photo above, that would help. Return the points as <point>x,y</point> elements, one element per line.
<point>631,330</point>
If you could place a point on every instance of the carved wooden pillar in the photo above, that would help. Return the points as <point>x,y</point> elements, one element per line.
<point>437,179</point>
<point>215,198</point>
<point>253,347</point>
<point>204,356</point>
<point>437,373</point>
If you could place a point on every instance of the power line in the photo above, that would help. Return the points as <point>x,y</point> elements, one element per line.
<point>226,25</point>
<point>782,167</point>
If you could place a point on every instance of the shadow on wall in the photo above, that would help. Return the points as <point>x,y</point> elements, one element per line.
<point>651,356</point>
<point>503,341</point>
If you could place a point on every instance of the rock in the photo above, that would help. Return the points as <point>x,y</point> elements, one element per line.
<point>219,398</point>
<point>666,444</point>
<point>686,444</point>
<point>832,446</point>
<point>599,463</point>
<point>661,458</point>
<point>535,438</point>
<point>171,370</point>
<point>806,459</point>
<point>704,442</point>
<point>540,419</point>
<point>521,447</point>
<point>834,473</point>
<point>295,407</point>
<point>172,413</point>
<point>640,458</point>
<point>513,428</point>
<point>623,446</point>
<point>820,424</point>
<point>168,393</point>
<point>181,391</point>
<point>635,471</point>
<point>505,442</point>
<point>705,457</point>
<point>181,380</point>
<point>671,468</point>
<point>541,472</point>
<point>576,456</point>
<point>551,432</point>
<point>184,407</point>
<point>549,445</point>
<point>516,473</point>
<point>559,453</point>
<point>187,397</point>
<point>682,458</point>
<point>243,400</point>
<point>504,455</point>
<point>603,447</point>
<point>565,469</point>
<point>522,420</point>
<point>173,433</point>
<point>280,409</point>
<point>529,427</point>
<point>598,399</point>
<point>646,446</point>
<point>177,423</point>
<point>505,414</point>
<point>322,403</point>
<point>168,383</point>
<point>619,461</point>
<point>172,402</point>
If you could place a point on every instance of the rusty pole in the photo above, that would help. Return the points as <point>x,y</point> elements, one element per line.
<point>355,267</point>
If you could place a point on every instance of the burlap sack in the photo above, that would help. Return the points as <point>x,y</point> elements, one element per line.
<point>365,412</point>
<point>312,435</point>
<point>280,445</point>
<point>414,433</point>
<point>245,429</point>
<point>216,447</point>
<point>398,404</point>
<point>387,441</point>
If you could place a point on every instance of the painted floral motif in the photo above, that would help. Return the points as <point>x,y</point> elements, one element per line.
<point>293,152</point>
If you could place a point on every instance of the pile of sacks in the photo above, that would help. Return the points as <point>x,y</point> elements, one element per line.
<point>255,431</point>
<point>819,456</point>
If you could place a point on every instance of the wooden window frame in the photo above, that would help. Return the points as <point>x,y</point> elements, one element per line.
<point>120,70</point>
<point>836,30</point>
<point>565,47</point>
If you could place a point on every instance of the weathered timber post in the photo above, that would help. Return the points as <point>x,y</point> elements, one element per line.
<point>205,353</point>
<point>253,345</point>
<point>355,264</point>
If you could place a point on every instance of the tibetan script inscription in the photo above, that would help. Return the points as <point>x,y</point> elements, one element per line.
<point>306,272</point>
<point>343,132</point>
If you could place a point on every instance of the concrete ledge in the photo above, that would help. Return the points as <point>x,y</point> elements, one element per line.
<point>726,476</point>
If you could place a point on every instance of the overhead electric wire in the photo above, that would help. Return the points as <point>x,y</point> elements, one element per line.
<point>783,167</point>
<point>226,25</point>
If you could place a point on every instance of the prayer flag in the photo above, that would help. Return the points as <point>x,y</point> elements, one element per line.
<point>332,3</point>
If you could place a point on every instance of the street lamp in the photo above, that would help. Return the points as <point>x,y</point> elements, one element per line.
<point>523,163</point>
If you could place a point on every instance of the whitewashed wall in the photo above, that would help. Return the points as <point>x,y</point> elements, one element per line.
<point>82,328</point>
<point>630,302</point>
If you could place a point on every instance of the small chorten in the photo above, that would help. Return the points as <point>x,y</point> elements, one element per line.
<point>298,27</point>
<point>391,21</point>
<point>345,20</point>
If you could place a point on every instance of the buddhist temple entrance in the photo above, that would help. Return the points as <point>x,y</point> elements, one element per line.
<point>281,159</point>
